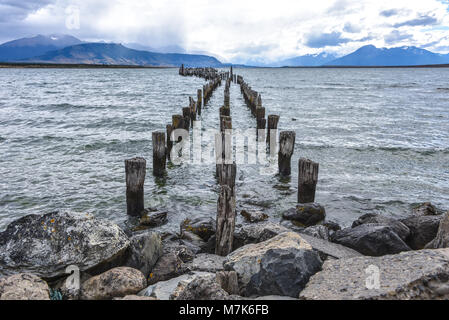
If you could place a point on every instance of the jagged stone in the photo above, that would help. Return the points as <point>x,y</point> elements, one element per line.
<point>409,275</point>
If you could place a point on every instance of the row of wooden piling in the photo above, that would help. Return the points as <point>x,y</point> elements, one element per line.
<point>307,169</point>
<point>135,168</point>
<point>225,167</point>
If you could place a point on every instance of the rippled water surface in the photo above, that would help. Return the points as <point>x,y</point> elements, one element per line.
<point>381,137</point>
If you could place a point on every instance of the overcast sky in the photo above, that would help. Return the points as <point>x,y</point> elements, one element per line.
<point>237,30</point>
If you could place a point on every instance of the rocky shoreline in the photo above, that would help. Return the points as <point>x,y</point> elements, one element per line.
<point>70,256</point>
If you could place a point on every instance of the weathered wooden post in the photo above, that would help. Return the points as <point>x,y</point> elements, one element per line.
<point>159,153</point>
<point>135,170</point>
<point>307,180</point>
<point>226,211</point>
<point>200,100</point>
<point>177,123</point>
<point>186,112</point>
<point>286,148</point>
<point>225,111</point>
<point>273,121</point>
<point>169,142</point>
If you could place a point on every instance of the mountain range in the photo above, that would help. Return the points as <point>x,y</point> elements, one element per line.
<point>67,49</point>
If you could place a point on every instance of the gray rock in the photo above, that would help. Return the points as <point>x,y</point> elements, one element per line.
<point>24,286</point>
<point>164,289</point>
<point>279,266</point>
<point>328,249</point>
<point>408,275</point>
<point>206,262</point>
<point>46,244</point>
<point>168,266</point>
<point>117,282</point>
<point>181,251</point>
<point>69,288</point>
<point>255,233</point>
<point>289,224</point>
<point>152,218</point>
<point>144,251</point>
<point>194,242</point>
<point>134,297</point>
<point>202,227</point>
<point>398,227</point>
<point>442,238</point>
<point>200,288</point>
<point>371,240</point>
<point>254,216</point>
<point>423,229</point>
<point>319,231</point>
<point>425,209</point>
<point>307,214</point>
<point>275,298</point>
<point>228,281</point>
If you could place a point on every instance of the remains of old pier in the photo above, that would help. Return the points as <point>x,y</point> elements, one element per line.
<point>226,168</point>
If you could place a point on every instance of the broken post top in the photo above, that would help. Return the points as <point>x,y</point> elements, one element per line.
<point>308,171</point>
<point>287,142</point>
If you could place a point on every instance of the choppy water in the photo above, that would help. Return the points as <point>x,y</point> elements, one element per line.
<point>381,137</point>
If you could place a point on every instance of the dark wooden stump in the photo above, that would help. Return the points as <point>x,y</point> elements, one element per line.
<point>159,153</point>
<point>307,180</point>
<point>225,111</point>
<point>286,148</point>
<point>135,170</point>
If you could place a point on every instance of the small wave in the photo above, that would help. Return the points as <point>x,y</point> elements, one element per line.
<point>443,89</point>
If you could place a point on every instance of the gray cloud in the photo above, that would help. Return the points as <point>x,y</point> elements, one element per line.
<point>389,13</point>
<point>13,10</point>
<point>325,39</point>
<point>421,21</point>
<point>352,28</point>
<point>397,36</point>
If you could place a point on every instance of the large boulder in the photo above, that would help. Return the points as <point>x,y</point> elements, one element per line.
<point>306,214</point>
<point>255,233</point>
<point>117,282</point>
<point>408,275</point>
<point>144,251</point>
<point>47,244</point>
<point>24,286</point>
<point>398,227</point>
<point>423,229</point>
<point>164,290</point>
<point>442,238</point>
<point>279,266</point>
<point>371,240</point>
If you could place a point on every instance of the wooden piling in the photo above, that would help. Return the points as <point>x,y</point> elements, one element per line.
<point>169,130</point>
<point>286,148</point>
<point>159,153</point>
<point>186,112</point>
<point>135,170</point>
<point>273,121</point>
<point>200,100</point>
<point>226,210</point>
<point>307,180</point>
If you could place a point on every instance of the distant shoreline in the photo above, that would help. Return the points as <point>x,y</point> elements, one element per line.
<point>75,66</point>
<point>4,65</point>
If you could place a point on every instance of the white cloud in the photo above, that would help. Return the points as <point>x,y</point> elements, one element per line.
<point>242,30</point>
